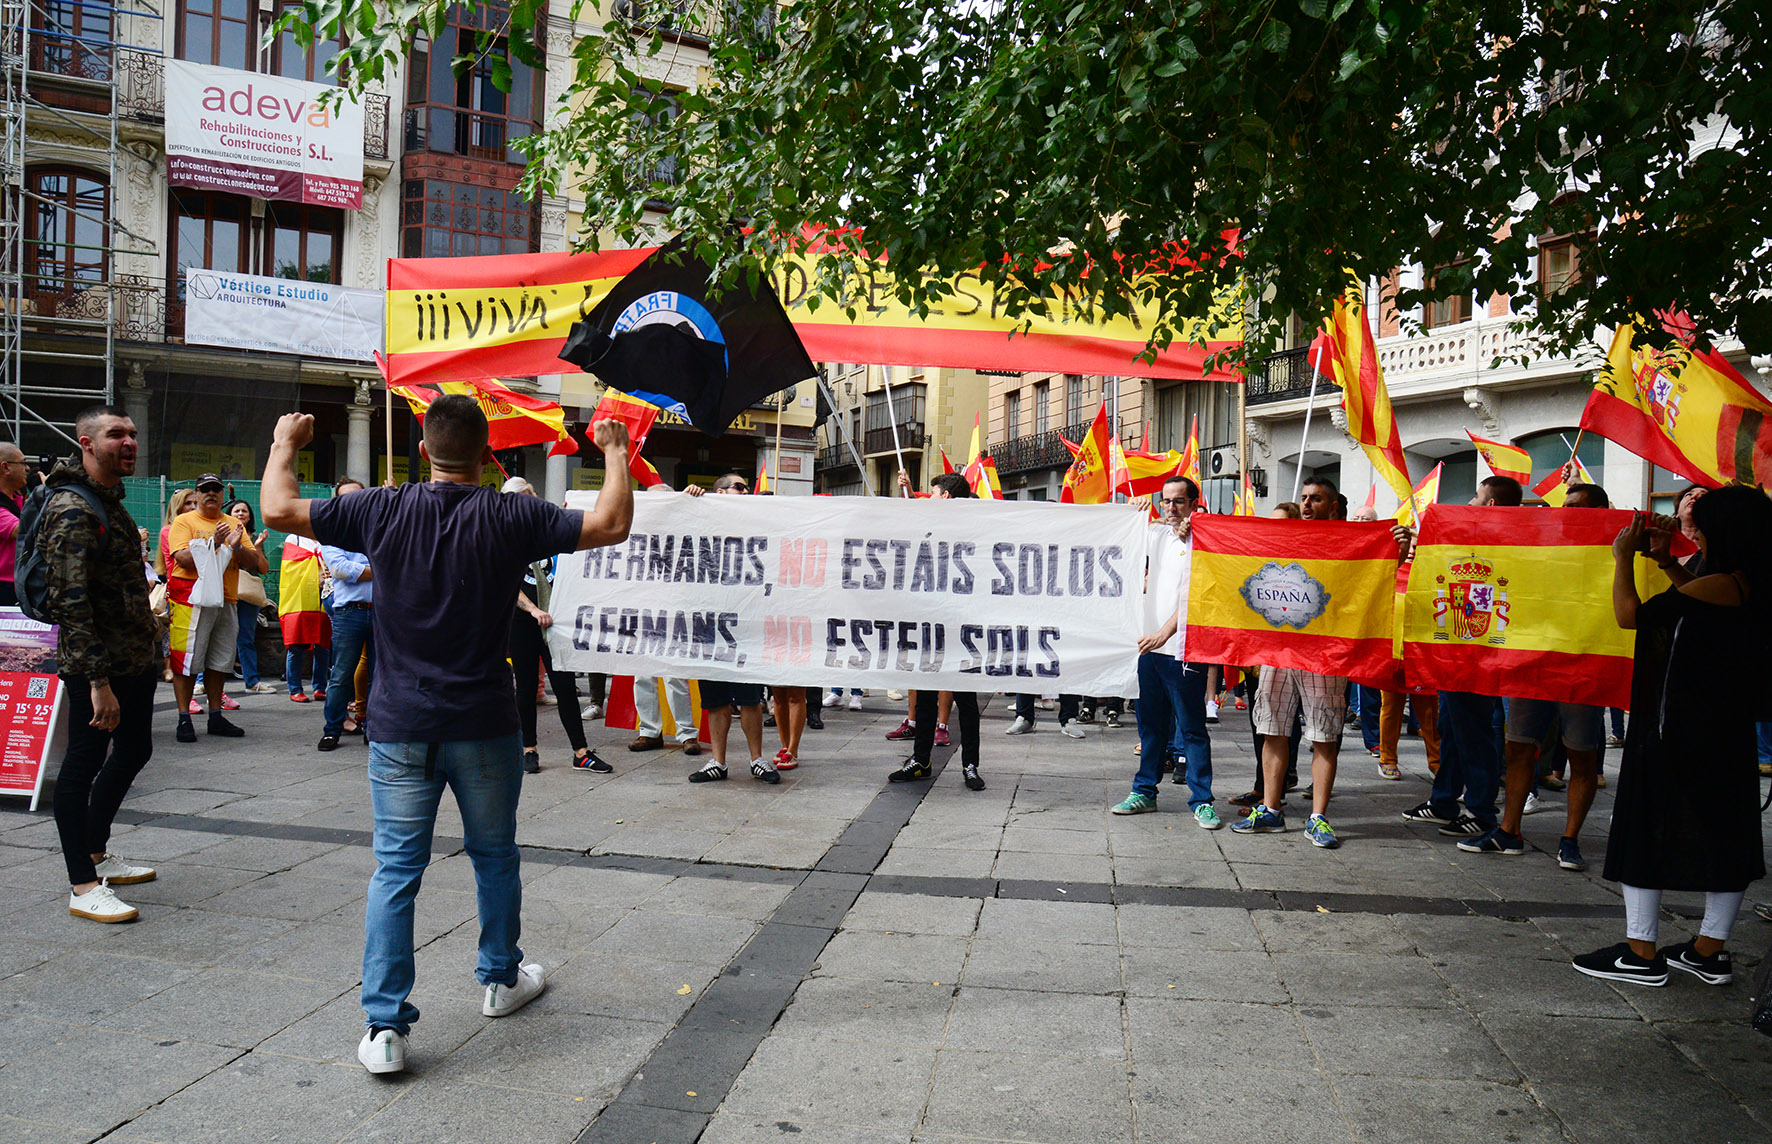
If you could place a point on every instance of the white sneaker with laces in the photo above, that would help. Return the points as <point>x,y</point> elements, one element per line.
<point>895,695</point>
<point>263,688</point>
<point>1531,803</point>
<point>503,1000</point>
<point>1071,729</point>
<point>1020,726</point>
<point>1211,709</point>
<point>593,711</point>
<point>855,703</point>
<point>382,1051</point>
<point>101,905</point>
<point>833,699</point>
<point>120,873</point>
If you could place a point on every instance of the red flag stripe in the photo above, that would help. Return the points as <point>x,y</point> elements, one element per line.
<point>1550,675</point>
<point>1362,660</point>
<point>1545,528</point>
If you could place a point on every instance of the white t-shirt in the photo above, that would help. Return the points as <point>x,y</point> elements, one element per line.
<point>1169,559</point>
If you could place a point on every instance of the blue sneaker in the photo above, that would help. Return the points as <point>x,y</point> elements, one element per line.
<point>1569,855</point>
<point>1321,834</point>
<point>1260,821</point>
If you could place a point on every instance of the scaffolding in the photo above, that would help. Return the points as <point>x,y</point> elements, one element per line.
<point>59,312</point>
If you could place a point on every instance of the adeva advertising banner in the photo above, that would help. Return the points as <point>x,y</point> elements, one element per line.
<point>956,595</point>
<point>248,133</point>
<point>281,315</point>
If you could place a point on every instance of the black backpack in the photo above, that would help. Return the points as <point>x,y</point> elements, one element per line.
<point>31,575</point>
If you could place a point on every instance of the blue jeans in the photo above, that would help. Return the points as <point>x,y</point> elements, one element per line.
<point>246,647</point>
<point>404,790</point>
<point>1765,734</point>
<point>1172,712</point>
<point>1370,699</point>
<point>350,640</point>
<point>292,666</point>
<point>1470,758</point>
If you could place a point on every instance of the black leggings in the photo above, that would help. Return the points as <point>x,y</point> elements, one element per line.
<point>965,706</point>
<point>528,649</point>
<point>91,786</point>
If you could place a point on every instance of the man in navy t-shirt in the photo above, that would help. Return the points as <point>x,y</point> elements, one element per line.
<point>448,557</point>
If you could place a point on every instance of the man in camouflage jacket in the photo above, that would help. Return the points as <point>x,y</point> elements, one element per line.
<point>106,654</point>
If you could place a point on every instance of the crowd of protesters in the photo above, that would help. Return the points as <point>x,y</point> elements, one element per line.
<point>443,679</point>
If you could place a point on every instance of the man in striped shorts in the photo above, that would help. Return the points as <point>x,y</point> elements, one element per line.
<point>1277,700</point>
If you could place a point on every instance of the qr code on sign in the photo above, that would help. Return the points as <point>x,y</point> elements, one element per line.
<point>37,689</point>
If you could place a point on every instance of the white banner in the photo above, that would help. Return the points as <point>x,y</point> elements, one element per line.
<point>262,135</point>
<point>282,315</point>
<point>960,595</point>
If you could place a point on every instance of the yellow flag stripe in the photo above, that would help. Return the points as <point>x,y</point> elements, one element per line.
<point>1359,595</point>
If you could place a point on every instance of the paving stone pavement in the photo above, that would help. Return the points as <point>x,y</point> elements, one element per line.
<point>836,959</point>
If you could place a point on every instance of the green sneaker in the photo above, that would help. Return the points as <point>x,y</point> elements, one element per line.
<point>1136,804</point>
<point>1207,817</point>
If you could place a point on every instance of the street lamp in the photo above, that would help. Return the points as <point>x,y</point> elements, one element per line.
<point>1258,478</point>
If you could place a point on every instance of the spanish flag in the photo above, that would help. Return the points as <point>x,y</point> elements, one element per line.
<point>298,594</point>
<point>981,471</point>
<point>514,419</point>
<point>1090,479</point>
<point>1426,493</point>
<point>1518,601</point>
<point>1144,472</point>
<point>1686,411</point>
<point>1554,490</point>
<point>1293,593</point>
<point>638,416</point>
<point>1503,460</point>
<point>1190,457</point>
<point>1345,346</point>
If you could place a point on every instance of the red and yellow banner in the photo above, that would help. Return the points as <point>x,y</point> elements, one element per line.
<point>507,315</point>
<point>1346,348</point>
<point>513,420</point>
<point>1518,602</point>
<point>298,594</point>
<point>1503,460</point>
<point>1293,593</point>
<point>1091,477</point>
<point>1688,412</point>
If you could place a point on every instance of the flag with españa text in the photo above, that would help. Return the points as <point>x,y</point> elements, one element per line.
<point>1310,594</point>
<point>1518,602</point>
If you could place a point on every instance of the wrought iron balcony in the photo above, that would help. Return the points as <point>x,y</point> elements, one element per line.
<point>1037,450</point>
<point>832,459</point>
<point>1284,376</point>
<point>878,441</point>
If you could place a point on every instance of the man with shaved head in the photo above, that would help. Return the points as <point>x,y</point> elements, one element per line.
<point>13,468</point>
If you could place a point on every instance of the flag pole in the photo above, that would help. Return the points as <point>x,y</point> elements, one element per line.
<point>892,419</point>
<point>775,477</point>
<point>390,458</point>
<point>843,431</point>
<point>1316,372</point>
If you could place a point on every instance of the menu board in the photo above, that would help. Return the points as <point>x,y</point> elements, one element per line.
<point>30,703</point>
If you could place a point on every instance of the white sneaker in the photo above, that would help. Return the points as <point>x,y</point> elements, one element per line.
<point>120,873</point>
<point>383,1052</point>
<point>1211,709</point>
<point>1531,803</point>
<point>1020,727</point>
<point>895,695</point>
<point>503,1000</point>
<point>833,699</point>
<point>855,703</point>
<point>264,688</point>
<point>593,711</point>
<point>1071,729</point>
<point>101,905</point>
<point>546,700</point>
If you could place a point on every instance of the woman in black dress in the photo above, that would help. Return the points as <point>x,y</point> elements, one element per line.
<point>1688,814</point>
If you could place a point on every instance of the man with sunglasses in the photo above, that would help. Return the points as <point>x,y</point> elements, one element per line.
<point>1171,691</point>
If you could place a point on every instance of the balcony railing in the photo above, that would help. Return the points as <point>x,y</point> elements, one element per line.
<point>668,17</point>
<point>141,96</point>
<point>910,437</point>
<point>1283,377</point>
<point>1037,450</point>
<point>834,458</point>
<point>138,308</point>
<point>73,56</point>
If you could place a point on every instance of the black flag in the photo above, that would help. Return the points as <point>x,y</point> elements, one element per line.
<point>659,336</point>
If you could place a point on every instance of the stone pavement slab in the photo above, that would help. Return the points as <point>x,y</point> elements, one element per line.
<point>842,960</point>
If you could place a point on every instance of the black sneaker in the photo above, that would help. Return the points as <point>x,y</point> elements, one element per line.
<point>1713,970</point>
<point>973,782</point>
<point>591,761</point>
<point>910,772</point>
<point>186,733</point>
<point>1494,842</point>
<point>1464,826</point>
<point>814,721</point>
<point>1113,720</point>
<point>711,773</point>
<point>1618,963</point>
<point>220,726</point>
<point>765,770</point>
<point>1426,813</point>
<point>329,742</point>
<point>531,762</point>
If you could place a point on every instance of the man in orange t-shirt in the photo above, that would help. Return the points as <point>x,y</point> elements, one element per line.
<point>203,638</point>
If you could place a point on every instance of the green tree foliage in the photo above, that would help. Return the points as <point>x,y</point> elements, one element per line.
<point>1061,143</point>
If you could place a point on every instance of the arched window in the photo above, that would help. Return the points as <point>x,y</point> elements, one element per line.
<point>66,215</point>
<point>1550,451</point>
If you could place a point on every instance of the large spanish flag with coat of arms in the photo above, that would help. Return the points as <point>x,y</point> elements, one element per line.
<point>1518,602</point>
<point>1310,594</point>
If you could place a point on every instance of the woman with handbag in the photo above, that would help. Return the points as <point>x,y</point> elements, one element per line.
<point>251,602</point>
